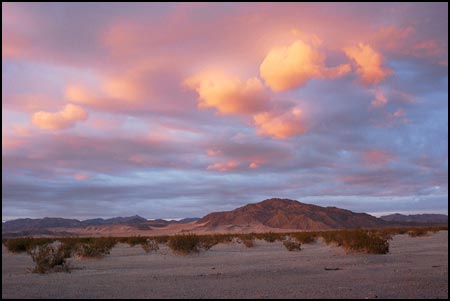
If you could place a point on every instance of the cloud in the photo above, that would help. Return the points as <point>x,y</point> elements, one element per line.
<point>369,63</point>
<point>376,157</point>
<point>288,67</point>
<point>222,167</point>
<point>59,120</point>
<point>253,165</point>
<point>280,126</point>
<point>81,176</point>
<point>380,100</point>
<point>228,94</point>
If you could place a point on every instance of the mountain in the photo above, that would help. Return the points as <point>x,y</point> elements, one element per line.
<point>417,218</point>
<point>290,214</point>
<point>56,222</point>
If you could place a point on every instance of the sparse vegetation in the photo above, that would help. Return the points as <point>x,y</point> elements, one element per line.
<point>292,245</point>
<point>364,241</point>
<point>184,243</point>
<point>150,245</point>
<point>96,247</point>
<point>25,244</point>
<point>48,258</point>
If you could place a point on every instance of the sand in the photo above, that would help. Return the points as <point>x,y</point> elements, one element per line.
<point>414,268</point>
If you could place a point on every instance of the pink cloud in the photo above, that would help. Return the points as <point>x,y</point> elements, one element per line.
<point>228,94</point>
<point>380,99</point>
<point>369,63</point>
<point>253,165</point>
<point>292,66</point>
<point>376,158</point>
<point>64,119</point>
<point>429,48</point>
<point>212,152</point>
<point>222,167</point>
<point>280,126</point>
<point>81,176</point>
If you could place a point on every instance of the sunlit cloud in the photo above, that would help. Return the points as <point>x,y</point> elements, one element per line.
<point>369,63</point>
<point>222,167</point>
<point>66,118</point>
<point>292,66</point>
<point>280,126</point>
<point>228,94</point>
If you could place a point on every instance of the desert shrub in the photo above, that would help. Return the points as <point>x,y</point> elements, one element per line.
<point>292,245</point>
<point>418,232</point>
<point>96,247</point>
<point>249,243</point>
<point>184,243</point>
<point>134,240</point>
<point>305,237</point>
<point>150,245</point>
<point>161,239</point>
<point>269,237</point>
<point>25,244</point>
<point>357,241</point>
<point>49,258</point>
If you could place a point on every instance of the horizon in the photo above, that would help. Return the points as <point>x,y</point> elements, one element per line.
<point>183,109</point>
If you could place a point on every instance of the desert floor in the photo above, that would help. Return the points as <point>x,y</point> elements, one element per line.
<point>414,268</point>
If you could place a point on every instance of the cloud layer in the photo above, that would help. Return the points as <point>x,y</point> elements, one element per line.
<point>177,110</point>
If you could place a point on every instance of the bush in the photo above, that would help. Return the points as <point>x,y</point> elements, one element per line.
<point>184,243</point>
<point>418,232</point>
<point>48,258</point>
<point>292,245</point>
<point>150,245</point>
<point>249,243</point>
<point>305,237</point>
<point>25,244</point>
<point>269,237</point>
<point>96,247</point>
<point>364,241</point>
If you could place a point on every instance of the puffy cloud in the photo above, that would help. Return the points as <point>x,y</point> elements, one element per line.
<point>380,99</point>
<point>223,166</point>
<point>229,95</point>
<point>59,120</point>
<point>369,63</point>
<point>288,67</point>
<point>280,126</point>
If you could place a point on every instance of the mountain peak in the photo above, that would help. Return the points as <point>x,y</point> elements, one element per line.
<point>291,214</point>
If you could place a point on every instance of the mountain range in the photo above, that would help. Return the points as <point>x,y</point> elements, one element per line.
<point>417,218</point>
<point>269,214</point>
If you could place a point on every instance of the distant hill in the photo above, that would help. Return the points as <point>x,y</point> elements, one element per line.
<point>417,218</point>
<point>290,214</point>
<point>22,224</point>
<point>136,221</point>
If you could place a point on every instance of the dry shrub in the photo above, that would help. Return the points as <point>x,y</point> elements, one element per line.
<point>150,245</point>
<point>25,244</point>
<point>184,243</point>
<point>249,243</point>
<point>96,247</point>
<point>48,258</point>
<point>292,245</point>
<point>305,237</point>
<point>360,241</point>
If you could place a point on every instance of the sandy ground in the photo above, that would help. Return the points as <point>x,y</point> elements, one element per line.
<point>414,268</point>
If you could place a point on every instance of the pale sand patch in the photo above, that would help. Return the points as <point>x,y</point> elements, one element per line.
<point>414,268</point>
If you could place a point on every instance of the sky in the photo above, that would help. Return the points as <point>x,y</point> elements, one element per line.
<point>172,110</point>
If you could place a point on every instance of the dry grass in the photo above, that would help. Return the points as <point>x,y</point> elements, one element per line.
<point>357,241</point>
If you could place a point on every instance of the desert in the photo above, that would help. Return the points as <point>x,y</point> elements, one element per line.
<point>414,267</point>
